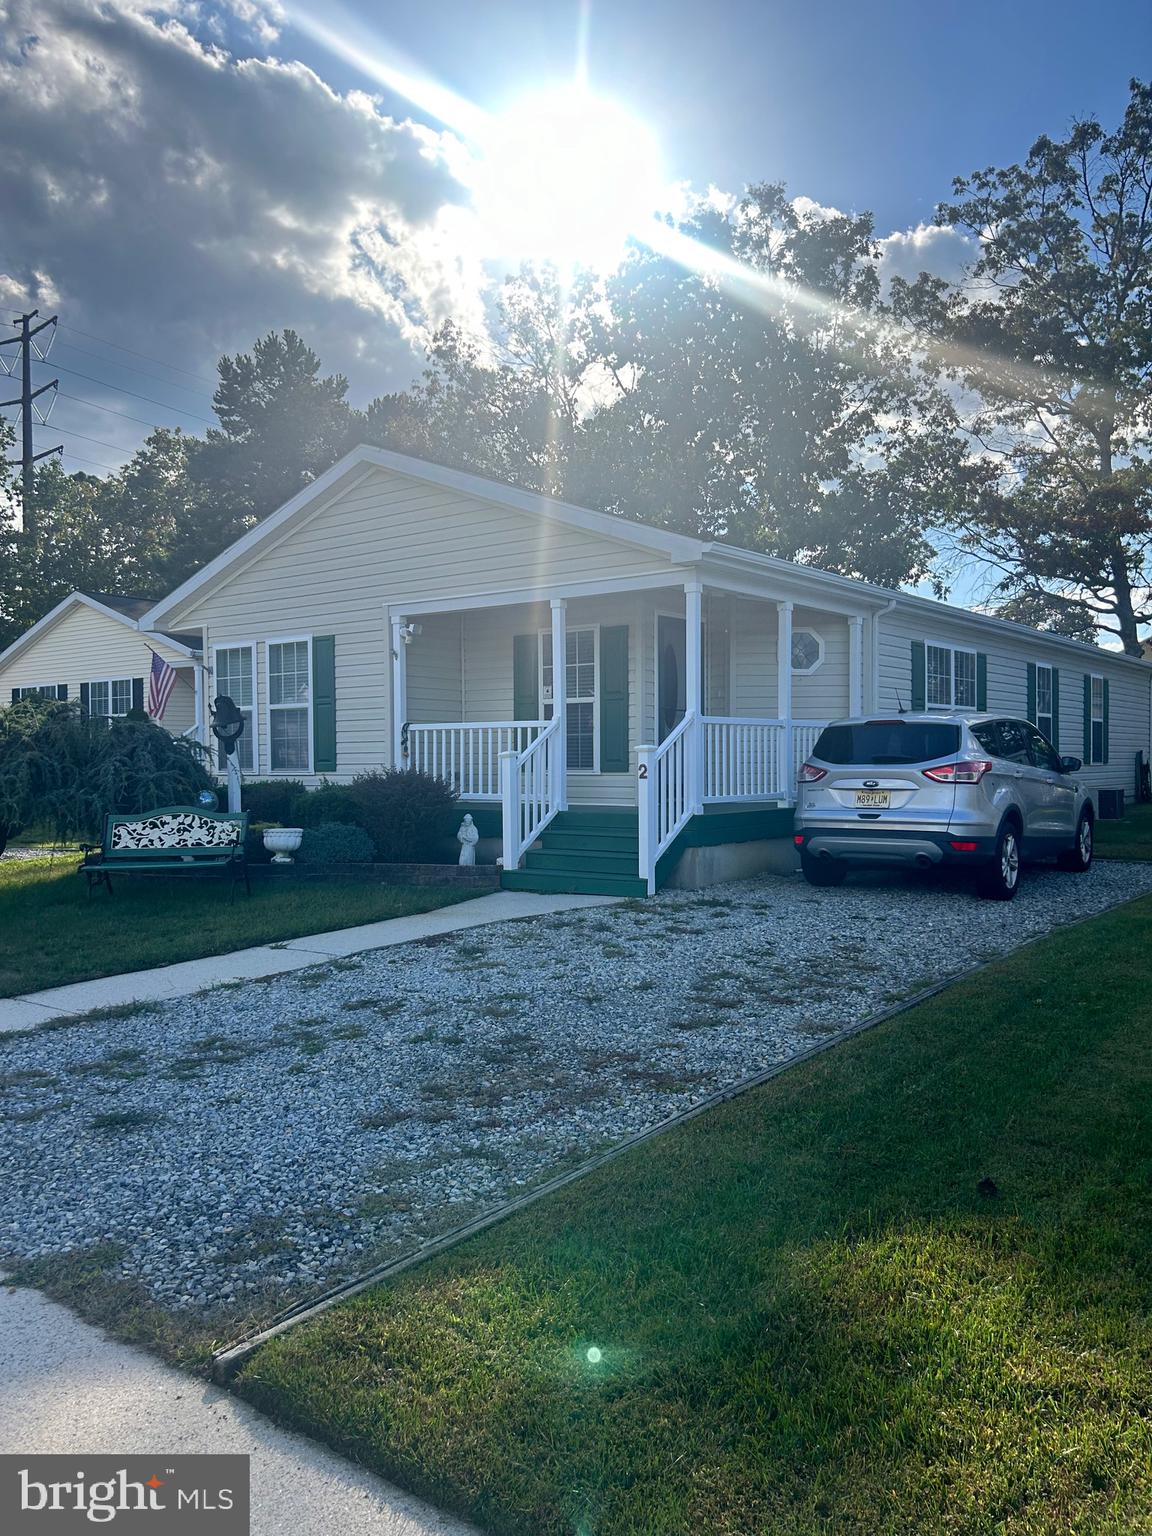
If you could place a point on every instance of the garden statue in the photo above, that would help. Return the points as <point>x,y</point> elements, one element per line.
<point>468,837</point>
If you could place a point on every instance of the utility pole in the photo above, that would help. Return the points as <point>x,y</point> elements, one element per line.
<point>28,409</point>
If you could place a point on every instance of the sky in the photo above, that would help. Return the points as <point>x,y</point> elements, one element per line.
<point>181,177</point>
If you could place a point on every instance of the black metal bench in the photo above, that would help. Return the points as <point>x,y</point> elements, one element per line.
<point>174,840</point>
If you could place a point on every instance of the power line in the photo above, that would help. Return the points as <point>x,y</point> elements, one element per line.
<point>148,399</point>
<point>147,356</point>
<point>100,441</point>
<point>129,368</point>
<point>96,463</point>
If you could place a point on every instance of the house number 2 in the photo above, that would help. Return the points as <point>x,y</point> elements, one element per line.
<point>643,771</point>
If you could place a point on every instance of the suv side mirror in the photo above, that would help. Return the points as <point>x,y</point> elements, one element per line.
<point>1070,765</point>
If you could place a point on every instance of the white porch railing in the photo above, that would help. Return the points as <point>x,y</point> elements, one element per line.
<point>668,792</point>
<point>755,759</point>
<point>531,791</point>
<point>468,755</point>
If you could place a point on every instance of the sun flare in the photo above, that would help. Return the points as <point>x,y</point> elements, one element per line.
<point>566,176</point>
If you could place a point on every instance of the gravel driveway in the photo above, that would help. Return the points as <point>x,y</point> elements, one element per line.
<point>247,1144</point>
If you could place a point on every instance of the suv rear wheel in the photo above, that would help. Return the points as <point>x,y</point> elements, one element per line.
<point>822,871</point>
<point>1078,858</point>
<point>1000,879</point>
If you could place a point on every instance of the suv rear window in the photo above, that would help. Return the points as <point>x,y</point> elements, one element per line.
<point>887,741</point>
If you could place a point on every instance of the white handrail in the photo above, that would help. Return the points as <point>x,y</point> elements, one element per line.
<point>667,793</point>
<point>467,753</point>
<point>531,791</point>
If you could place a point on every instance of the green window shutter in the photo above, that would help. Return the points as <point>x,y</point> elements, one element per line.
<point>919,675</point>
<point>525,678</point>
<point>62,692</point>
<point>614,699</point>
<point>1087,718</point>
<point>15,695</point>
<point>981,680</point>
<point>1056,709</point>
<point>1032,692</point>
<point>137,693</point>
<point>1105,719</point>
<point>324,703</point>
<point>85,689</point>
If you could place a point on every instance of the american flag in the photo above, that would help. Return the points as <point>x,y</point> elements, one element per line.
<point>160,684</point>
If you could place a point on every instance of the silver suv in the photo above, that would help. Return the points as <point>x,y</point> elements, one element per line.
<point>946,787</point>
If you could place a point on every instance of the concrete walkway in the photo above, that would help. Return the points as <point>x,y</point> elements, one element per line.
<point>66,1389</point>
<point>166,981</point>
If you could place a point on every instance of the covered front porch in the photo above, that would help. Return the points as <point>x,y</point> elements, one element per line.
<point>675,698</point>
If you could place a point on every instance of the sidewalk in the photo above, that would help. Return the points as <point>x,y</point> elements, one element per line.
<point>65,1388</point>
<point>32,1008</point>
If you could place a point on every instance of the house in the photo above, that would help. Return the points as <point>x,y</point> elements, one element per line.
<point>90,647</point>
<point>400,612</point>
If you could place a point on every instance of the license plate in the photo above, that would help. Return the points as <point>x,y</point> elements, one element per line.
<point>873,799</point>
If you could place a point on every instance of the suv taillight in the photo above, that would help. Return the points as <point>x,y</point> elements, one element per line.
<point>810,774</point>
<point>970,771</point>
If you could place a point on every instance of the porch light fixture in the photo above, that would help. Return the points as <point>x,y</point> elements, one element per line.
<point>410,632</point>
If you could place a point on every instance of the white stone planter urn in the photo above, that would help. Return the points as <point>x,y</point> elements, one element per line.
<point>282,842</point>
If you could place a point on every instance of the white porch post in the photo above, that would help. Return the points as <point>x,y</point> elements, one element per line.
<point>784,697</point>
<point>399,693</point>
<point>855,666</point>
<point>646,814</point>
<point>560,694</point>
<point>201,731</point>
<point>694,690</point>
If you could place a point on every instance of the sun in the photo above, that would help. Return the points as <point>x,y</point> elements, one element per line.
<point>566,176</point>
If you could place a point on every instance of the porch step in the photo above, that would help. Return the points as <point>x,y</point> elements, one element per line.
<point>592,852</point>
<point>545,880</point>
<point>582,860</point>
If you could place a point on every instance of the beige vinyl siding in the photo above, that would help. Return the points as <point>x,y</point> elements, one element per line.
<point>85,646</point>
<point>1130,724</point>
<point>435,690</point>
<point>386,540</point>
<point>823,694</point>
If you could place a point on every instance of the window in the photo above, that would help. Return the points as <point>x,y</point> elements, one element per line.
<point>1045,710</point>
<point>807,650</point>
<point>1097,735</point>
<point>41,691</point>
<point>111,699</point>
<point>887,741</point>
<point>950,677</point>
<point>580,681</point>
<point>289,712</point>
<point>1040,752</point>
<point>234,668</point>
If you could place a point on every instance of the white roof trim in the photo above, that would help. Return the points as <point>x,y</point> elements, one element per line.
<point>54,615</point>
<point>675,546</point>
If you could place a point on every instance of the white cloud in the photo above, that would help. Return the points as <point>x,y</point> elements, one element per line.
<point>935,248</point>
<point>167,180</point>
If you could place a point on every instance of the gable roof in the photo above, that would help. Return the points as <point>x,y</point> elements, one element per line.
<point>346,471</point>
<point>125,610</point>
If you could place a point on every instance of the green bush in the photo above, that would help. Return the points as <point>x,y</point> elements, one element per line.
<point>331,802</point>
<point>64,771</point>
<point>271,800</point>
<point>254,842</point>
<point>406,813</point>
<point>335,842</point>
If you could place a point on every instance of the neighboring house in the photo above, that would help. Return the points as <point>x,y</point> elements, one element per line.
<point>90,648</point>
<point>399,612</point>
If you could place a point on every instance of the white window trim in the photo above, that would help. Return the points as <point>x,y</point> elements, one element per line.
<point>106,682</point>
<point>1093,718</point>
<point>953,651</point>
<point>545,639</point>
<point>1050,714</point>
<point>287,773</point>
<point>250,647</point>
<point>806,629</point>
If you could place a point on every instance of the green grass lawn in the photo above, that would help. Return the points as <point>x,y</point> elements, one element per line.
<point>808,1316</point>
<point>51,933</point>
<point>1129,838</point>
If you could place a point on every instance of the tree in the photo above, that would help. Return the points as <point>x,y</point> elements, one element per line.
<point>281,424</point>
<point>763,399</point>
<point>1051,334</point>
